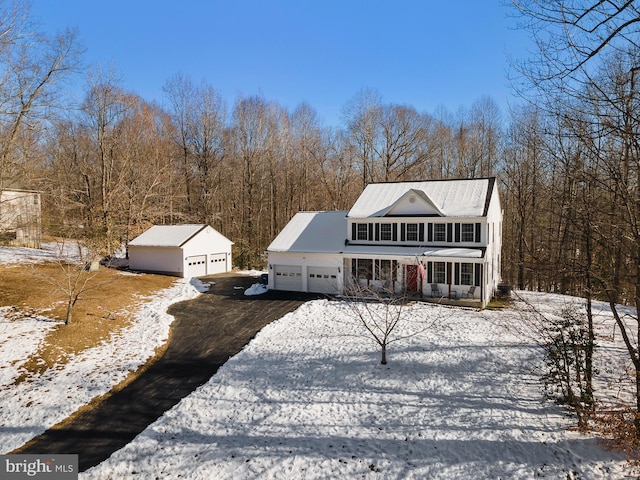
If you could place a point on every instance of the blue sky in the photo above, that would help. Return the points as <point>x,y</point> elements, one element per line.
<point>428,54</point>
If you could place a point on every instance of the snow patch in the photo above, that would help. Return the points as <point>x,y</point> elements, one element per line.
<point>256,289</point>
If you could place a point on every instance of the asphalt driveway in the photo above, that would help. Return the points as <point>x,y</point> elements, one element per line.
<point>206,332</point>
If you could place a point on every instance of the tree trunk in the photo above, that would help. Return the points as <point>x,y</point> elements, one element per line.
<point>383,360</point>
<point>69,315</point>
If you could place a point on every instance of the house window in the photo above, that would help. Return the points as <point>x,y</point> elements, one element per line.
<point>385,270</point>
<point>439,272</point>
<point>361,268</point>
<point>439,232</point>
<point>466,274</point>
<point>468,230</point>
<point>363,231</point>
<point>412,232</point>
<point>385,232</point>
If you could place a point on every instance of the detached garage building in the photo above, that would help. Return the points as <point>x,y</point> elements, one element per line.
<point>181,250</point>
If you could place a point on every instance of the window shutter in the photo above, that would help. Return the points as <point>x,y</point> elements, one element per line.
<point>457,233</point>
<point>478,232</point>
<point>377,232</point>
<point>403,232</point>
<point>429,272</point>
<point>354,234</point>
<point>477,267</point>
<point>370,237</point>
<point>449,272</point>
<point>449,232</point>
<point>394,228</point>
<point>421,232</point>
<point>430,232</point>
<point>457,274</point>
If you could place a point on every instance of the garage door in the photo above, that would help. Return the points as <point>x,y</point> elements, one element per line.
<point>288,278</point>
<point>217,263</point>
<point>196,266</point>
<point>323,279</point>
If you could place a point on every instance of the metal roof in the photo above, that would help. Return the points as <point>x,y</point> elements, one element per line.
<point>452,198</point>
<point>312,232</point>
<point>167,235</point>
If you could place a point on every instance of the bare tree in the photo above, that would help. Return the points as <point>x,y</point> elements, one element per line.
<point>381,314</point>
<point>361,115</point>
<point>32,68</point>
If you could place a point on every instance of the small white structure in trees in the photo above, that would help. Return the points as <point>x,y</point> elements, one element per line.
<point>20,217</point>
<point>181,250</point>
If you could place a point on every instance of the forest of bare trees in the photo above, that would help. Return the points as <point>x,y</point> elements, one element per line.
<point>566,157</point>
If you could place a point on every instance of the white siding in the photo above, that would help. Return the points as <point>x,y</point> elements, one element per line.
<point>205,252</point>
<point>156,259</point>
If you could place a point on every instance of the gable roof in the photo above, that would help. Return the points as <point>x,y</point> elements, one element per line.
<point>312,232</point>
<point>424,206</point>
<point>168,235</point>
<point>451,198</point>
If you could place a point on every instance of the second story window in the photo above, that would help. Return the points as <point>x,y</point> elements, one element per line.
<point>468,230</point>
<point>363,231</point>
<point>439,232</point>
<point>385,232</point>
<point>412,232</point>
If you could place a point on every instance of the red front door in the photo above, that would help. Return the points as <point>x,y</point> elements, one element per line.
<point>412,278</point>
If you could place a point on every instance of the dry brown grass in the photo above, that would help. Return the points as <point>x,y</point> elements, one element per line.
<point>32,289</point>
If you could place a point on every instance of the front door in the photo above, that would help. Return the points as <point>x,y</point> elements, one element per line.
<point>412,278</point>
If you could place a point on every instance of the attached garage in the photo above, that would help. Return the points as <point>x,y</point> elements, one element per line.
<point>181,250</point>
<point>288,277</point>
<point>323,280</point>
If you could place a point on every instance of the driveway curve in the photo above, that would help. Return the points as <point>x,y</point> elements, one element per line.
<point>205,333</point>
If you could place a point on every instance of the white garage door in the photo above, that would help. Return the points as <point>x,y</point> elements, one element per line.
<point>196,266</point>
<point>217,263</point>
<point>288,278</point>
<point>323,279</point>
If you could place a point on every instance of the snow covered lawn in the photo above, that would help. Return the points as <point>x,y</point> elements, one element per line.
<point>29,408</point>
<point>308,399</point>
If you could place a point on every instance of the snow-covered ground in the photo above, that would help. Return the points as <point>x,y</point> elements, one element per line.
<point>50,251</point>
<point>308,398</point>
<point>29,408</point>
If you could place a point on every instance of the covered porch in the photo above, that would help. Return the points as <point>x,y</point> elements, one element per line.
<point>446,276</point>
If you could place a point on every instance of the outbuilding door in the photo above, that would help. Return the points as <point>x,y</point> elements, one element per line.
<point>196,266</point>
<point>217,263</point>
<point>288,277</point>
<point>322,279</point>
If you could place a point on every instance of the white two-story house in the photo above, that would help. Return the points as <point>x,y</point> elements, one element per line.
<point>436,239</point>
